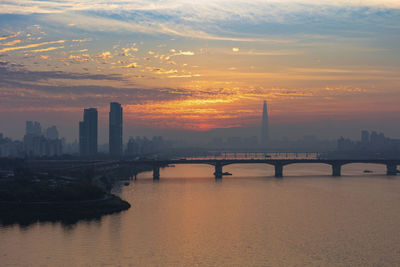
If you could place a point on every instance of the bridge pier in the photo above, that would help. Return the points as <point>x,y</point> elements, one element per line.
<point>391,169</point>
<point>218,171</point>
<point>278,170</point>
<point>336,170</point>
<point>156,172</point>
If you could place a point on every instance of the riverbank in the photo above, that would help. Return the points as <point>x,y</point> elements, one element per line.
<point>27,212</point>
<point>29,197</point>
<point>37,194</point>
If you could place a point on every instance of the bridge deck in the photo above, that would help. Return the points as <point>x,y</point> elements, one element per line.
<point>391,165</point>
<point>266,161</point>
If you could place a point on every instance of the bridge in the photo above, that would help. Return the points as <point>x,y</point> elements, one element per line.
<point>336,164</point>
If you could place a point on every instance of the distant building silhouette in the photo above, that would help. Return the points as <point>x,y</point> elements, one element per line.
<point>52,133</point>
<point>33,140</point>
<point>10,148</point>
<point>88,133</point>
<point>144,146</point>
<point>365,137</point>
<point>371,145</point>
<point>33,128</point>
<point>115,130</point>
<point>264,125</point>
<point>36,144</point>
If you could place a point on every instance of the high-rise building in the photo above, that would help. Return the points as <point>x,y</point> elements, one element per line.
<point>33,128</point>
<point>88,133</point>
<point>115,130</point>
<point>34,144</point>
<point>52,133</point>
<point>264,125</point>
<point>364,137</point>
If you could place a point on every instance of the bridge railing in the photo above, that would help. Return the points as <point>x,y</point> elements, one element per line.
<point>257,155</point>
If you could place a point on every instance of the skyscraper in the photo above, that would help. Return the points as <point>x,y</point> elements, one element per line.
<point>115,132</point>
<point>264,125</point>
<point>88,133</point>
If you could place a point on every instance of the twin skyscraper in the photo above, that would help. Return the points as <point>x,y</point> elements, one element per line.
<point>88,131</point>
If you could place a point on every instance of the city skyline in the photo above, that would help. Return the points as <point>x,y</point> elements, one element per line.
<point>286,132</point>
<point>89,127</point>
<point>329,130</point>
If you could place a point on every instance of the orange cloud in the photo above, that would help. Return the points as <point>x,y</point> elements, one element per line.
<point>105,55</point>
<point>184,76</point>
<point>4,37</point>
<point>12,42</point>
<point>47,49</point>
<point>132,65</point>
<point>29,46</point>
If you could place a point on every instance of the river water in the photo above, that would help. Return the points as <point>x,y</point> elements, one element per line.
<point>308,218</point>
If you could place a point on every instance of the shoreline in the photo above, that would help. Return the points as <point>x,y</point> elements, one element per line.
<point>22,202</point>
<point>44,203</point>
<point>68,212</point>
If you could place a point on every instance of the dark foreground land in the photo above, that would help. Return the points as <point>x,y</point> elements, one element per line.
<point>61,190</point>
<point>67,212</point>
<point>25,200</point>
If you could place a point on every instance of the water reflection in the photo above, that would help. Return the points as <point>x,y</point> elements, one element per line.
<point>249,218</point>
<point>25,218</point>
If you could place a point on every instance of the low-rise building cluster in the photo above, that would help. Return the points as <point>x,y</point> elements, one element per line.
<point>36,143</point>
<point>370,141</point>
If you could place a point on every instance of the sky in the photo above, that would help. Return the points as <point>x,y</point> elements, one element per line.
<point>325,67</point>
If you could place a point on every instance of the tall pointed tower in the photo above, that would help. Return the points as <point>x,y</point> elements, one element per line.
<point>264,125</point>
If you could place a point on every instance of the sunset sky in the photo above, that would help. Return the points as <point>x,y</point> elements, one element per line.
<point>199,65</point>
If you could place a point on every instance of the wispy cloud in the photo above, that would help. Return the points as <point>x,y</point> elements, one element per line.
<point>47,49</point>
<point>184,53</point>
<point>12,42</point>
<point>218,20</point>
<point>184,76</point>
<point>95,22</point>
<point>237,7</point>
<point>8,49</point>
<point>9,75</point>
<point>197,20</point>
<point>4,37</point>
<point>236,51</point>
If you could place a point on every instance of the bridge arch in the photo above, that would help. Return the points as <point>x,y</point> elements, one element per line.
<point>303,168</point>
<point>356,168</point>
<point>186,170</point>
<point>250,169</point>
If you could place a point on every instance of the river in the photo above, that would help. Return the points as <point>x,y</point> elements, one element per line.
<point>308,218</point>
